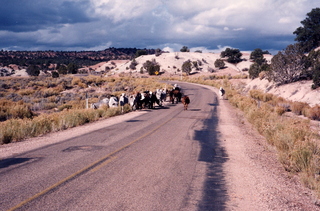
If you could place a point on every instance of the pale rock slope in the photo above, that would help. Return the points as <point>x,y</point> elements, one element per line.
<point>171,62</point>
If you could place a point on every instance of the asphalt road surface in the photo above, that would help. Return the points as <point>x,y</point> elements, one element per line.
<point>165,159</point>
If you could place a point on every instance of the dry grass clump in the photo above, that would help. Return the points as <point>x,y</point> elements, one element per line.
<point>314,113</point>
<point>26,92</point>
<point>299,108</point>
<point>259,95</point>
<point>241,102</point>
<point>18,129</point>
<point>9,110</point>
<point>280,110</point>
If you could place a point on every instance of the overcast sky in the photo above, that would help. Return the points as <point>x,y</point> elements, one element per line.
<point>208,25</point>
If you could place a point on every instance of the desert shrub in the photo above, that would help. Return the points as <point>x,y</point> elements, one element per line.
<point>259,95</point>
<point>280,101</point>
<point>187,67</point>
<point>133,64</point>
<point>314,113</point>
<point>219,63</point>
<point>256,94</point>
<point>33,70</point>
<point>79,81</point>
<point>20,111</point>
<point>9,131</point>
<point>254,71</point>
<point>267,97</point>
<point>210,70</point>
<point>240,101</point>
<point>195,64</point>
<point>26,92</point>
<point>301,158</point>
<point>50,92</point>
<point>12,110</point>
<point>93,80</point>
<point>14,97</point>
<point>280,110</point>
<point>298,107</point>
<point>48,106</point>
<point>72,68</point>
<point>55,74</point>
<point>151,67</point>
<point>284,105</point>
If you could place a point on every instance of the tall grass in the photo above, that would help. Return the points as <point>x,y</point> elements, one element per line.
<point>18,129</point>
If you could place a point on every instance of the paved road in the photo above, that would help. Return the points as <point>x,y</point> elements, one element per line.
<point>166,159</point>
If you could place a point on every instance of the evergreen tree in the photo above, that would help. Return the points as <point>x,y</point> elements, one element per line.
<point>186,67</point>
<point>184,49</point>
<point>234,55</point>
<point>219,63</point>
<point>33,70</point>
<point>308,35</point>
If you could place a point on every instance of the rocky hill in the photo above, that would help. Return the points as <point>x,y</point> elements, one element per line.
<point>171,63</point>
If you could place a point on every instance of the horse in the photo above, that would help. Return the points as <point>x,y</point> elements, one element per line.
<point>161,96</point>
<point>138,101</point>
<point>175,95</point>
<point>132,102</point>
<point>185,101</point>
<point>113,102</point>
<point>123,100</point>
<point>145,99</point>
<point>104,101</point>
<point>154,100</point>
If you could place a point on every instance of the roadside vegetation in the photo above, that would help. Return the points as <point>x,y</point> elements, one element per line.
<point>35,106</point>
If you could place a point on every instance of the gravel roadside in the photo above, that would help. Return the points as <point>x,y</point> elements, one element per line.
<point>255,179</point>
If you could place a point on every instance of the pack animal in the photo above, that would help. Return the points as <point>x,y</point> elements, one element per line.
<point>175,95</point>
<point>104,101</point>
<point>113,102</point>
<point>185,101</point>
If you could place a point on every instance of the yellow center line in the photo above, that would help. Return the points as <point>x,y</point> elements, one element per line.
<point>94,166</point>
<point>103,164</point>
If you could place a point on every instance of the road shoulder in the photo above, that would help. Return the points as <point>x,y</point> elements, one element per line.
<point>255,179</point>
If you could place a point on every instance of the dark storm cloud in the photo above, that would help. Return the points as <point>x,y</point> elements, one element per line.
<point>99,24</point>
<point>31,15</point>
